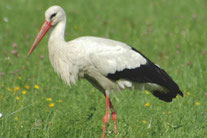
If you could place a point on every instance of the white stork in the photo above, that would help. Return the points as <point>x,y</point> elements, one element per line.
<point>108,64</point>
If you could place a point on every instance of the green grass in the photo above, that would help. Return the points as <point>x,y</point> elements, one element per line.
<point>172,33</point>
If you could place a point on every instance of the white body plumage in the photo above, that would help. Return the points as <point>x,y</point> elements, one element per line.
<point>75,58</point>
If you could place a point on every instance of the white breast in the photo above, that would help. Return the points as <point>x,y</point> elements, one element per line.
<point>63,63</point>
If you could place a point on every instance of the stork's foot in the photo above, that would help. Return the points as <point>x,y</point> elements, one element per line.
<point>105,122</point>
<point>114,117</point>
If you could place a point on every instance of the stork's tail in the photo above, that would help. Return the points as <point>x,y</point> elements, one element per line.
<point>166,96</point>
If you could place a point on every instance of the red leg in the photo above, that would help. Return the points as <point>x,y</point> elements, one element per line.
<point>114,116</point>
<point>106,117</point>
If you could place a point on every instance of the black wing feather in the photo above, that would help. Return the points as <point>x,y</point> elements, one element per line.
<point>150,73</point>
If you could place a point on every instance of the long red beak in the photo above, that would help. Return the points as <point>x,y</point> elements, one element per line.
<point>44,29</point>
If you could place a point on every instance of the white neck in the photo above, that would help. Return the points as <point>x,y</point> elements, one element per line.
<point>57,33</point>
<point>59,55</point>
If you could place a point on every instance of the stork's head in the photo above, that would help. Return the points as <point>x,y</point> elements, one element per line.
<point>53,16</point>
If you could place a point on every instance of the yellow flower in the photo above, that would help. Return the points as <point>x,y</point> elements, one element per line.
<point>51,105</point>
<point>36,86</point>
<point>27,87</point>
<point>19,77</point>
<point>144,121</point>
<point>167,113</point>
<point>197,103</point>
<point>17,98</point>
<point>146,91</point>
<point>147,104</point>
<point>188,93</point>
<point>24,92</point>
<point>16,118</point>
<point>17,88</point>
<point>60,101</point>
<point>49,99</point>
<point>9,89</point>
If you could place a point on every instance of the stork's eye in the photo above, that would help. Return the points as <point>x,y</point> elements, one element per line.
<point>53,15</point>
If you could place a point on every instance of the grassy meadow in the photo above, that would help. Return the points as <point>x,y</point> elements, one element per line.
<point>35,102</point>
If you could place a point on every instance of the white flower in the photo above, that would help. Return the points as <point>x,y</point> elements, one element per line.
<point>1,115</point>
<point>6,19</point>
